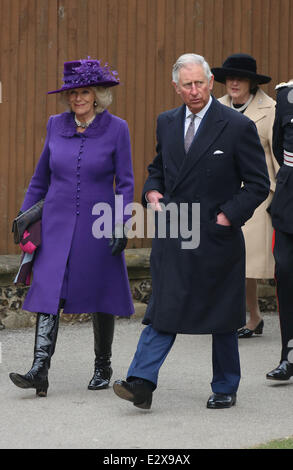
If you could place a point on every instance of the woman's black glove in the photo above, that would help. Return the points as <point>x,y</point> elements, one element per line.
<point>119,240</point>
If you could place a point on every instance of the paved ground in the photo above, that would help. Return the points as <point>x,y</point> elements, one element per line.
<point>71,417</point>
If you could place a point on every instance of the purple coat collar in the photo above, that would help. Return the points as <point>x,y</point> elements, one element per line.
<point>68,126</point>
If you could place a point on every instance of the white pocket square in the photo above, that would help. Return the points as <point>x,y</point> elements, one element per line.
<point>218,152</point>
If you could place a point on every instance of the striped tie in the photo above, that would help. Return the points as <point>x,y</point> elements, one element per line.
<point>189,134</point>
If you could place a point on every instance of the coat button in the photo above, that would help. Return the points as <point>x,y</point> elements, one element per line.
<point>77,212</point>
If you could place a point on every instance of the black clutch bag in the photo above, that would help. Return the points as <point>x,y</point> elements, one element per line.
<point>22,221</point>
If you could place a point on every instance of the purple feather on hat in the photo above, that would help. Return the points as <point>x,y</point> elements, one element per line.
<point>86,73</point>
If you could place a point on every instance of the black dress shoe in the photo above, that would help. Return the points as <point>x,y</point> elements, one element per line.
<point>139,392</point>
<point>221,400</point>
<point>283,372</point>
<point>247,333</point>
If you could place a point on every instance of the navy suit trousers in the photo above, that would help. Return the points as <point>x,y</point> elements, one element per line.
<point>154,346</point>
<point>283,254</point>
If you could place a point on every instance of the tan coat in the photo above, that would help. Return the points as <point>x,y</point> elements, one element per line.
<point>258,230</point>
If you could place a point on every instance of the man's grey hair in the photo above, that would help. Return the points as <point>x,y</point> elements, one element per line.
<point>188,59</point>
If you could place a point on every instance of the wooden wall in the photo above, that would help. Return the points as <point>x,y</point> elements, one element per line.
<point>141,39</point>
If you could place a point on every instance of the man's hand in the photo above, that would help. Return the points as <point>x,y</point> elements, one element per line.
<point>153,198</point>
<point>222,219</point>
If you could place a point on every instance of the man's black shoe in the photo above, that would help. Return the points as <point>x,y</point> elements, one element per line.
<point>283,372</point>
<point>221,400</point>
<point>139,392</point>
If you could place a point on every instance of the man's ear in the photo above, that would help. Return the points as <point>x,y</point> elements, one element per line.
<point>175,85</point>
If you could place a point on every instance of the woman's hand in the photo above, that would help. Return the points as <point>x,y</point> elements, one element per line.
<point>119,240</point>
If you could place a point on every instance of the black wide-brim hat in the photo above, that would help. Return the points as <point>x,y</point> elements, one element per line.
<point>239,65</point>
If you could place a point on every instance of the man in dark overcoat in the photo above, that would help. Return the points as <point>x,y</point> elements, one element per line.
<point>281,211</point>
<point>207,155</point>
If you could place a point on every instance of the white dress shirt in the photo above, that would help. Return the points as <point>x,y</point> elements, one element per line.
<point>198,118</point>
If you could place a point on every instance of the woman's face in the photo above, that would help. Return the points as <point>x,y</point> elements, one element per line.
<point>238,89</point>
<point>81,101</point>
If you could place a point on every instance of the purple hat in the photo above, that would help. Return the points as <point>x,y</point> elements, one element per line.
<point>86,73</point>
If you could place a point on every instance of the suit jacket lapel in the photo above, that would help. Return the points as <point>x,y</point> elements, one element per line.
<point>212,125</point>
<point>176,136</point>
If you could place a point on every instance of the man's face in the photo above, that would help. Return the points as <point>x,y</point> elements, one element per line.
<point>194,87</point>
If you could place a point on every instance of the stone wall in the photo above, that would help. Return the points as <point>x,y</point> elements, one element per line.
<point>12,296</point>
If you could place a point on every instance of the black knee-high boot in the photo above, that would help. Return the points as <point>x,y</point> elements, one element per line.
<point>45,341</point>
<point>103,325</point>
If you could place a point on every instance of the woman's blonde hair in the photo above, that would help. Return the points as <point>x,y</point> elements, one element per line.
<point>103,98</point>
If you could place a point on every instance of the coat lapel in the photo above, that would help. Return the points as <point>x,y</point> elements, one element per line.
<point>210,128</point>
<point>258,108</point>
<point>176,139</point>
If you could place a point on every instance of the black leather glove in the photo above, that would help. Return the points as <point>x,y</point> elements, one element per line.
<point>118,241</point>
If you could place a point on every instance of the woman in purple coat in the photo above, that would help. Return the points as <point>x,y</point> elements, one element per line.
<point>86,160</point>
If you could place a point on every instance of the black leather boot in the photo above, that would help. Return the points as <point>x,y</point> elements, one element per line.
<point>103,325</point>
<point>45,341</point>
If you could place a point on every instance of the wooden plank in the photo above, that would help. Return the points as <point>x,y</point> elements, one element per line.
<point>190,21</point>
<point>160,54</point>
<point>199,27</point>
<point>130,87</point>
<point>288,40</point>
<point>102,22</point>
<point>30,95</point>
<point>52,65</point>
<point>284,50</point>
<point>179,28</point>
<point>121,61</point>
<point>41,116</point>
<point>5,187</point>
<point>92,26</point>
<point>13,80</point>
<point>229,40</point>
<point>256,32</point>
<point>21,99</point>
<point>208,31</point>
<point>140,93</point>
<point>73,41</point>
<point>246,32</point>
<point>169,95</point>
<point>273,41</point>
<point>217,59</point>
<point>82,44</point>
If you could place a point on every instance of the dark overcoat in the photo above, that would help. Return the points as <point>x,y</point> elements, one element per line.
<point>282,204</point>
<point>74,173</point>
<point>202,290</point>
